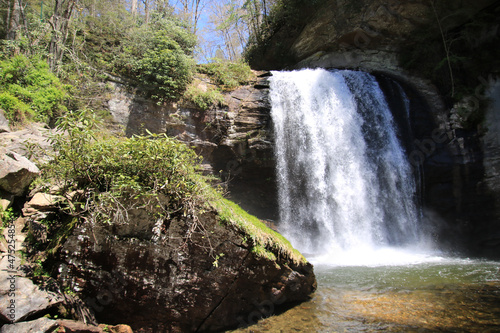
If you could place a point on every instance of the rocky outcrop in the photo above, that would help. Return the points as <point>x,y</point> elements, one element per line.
<point>235,141</point>
<point>34,136</point>
<point>359,34</point>
<point>16,171</point>
<point>189,275</point>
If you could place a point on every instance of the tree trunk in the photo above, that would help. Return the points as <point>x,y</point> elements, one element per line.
<point>63,9</point>
<point>146,11</point>
<point>133,8</point>
<point>14,21</point>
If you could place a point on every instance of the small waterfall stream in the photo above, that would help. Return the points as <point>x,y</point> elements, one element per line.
<point>345,184</point>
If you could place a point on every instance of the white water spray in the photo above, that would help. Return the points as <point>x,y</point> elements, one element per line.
<point>346,189</point>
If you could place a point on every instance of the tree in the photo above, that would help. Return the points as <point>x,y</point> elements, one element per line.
<point>13,20</point>
<point>63,10</point>
<point>133,8</point>
<point>192,11</point>
<point>228,21</point>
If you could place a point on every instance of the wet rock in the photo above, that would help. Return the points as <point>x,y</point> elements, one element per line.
<point>16,173</point>
<point>166,278</point>
<point>41,325</point>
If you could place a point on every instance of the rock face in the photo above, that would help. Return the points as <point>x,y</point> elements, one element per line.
<point>359,34</point>
<point>235,140</point>
<point>194,275</point>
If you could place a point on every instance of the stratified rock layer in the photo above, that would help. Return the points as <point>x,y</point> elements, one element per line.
<point>235,140</point>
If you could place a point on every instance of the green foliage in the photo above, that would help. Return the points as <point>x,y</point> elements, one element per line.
<point>7,216</point>
<point>204,99</point>
<point>140,165</point>
<point>159,57</point>
<point>229,75</point>
<point>29,91</point>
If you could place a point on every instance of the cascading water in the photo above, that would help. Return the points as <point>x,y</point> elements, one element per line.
<point>347,200</point>
<point>345,184</point>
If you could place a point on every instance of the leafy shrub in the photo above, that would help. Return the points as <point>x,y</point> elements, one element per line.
<point>204,99</point>
<point>159,56</point>
<point>30,91</point>
<point>141,165</point>
<point>229,75</point>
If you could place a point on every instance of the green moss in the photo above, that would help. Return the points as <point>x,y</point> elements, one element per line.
<point>204,99</point>
<point>267,243</point>
<point>62,233</point>
<point>228,75</point>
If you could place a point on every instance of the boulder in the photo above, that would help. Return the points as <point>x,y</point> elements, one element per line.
<point>41,325</point>
<point>26,297</point>
<point>178,275</point>
<point>6,200</point>
<point>16,173</point>
<point>43,202</point>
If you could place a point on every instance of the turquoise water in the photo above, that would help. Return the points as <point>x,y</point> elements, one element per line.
<point>440,295</point>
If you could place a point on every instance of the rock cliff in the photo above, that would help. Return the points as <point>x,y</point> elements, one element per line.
<point>235,140</point>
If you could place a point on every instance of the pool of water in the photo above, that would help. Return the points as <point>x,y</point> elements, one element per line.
<point>425,295</point>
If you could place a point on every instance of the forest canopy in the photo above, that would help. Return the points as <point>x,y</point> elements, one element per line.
<point>65,49</point>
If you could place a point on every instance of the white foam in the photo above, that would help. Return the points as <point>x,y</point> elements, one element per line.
<point>373,257</point>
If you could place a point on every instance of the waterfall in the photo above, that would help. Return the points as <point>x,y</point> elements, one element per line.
<point>345,183</point>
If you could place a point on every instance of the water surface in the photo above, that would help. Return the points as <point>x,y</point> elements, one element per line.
<point>439,295</point>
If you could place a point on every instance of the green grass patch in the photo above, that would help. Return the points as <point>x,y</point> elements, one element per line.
<point>29,91</point>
